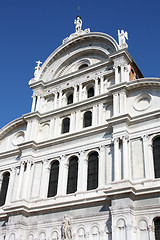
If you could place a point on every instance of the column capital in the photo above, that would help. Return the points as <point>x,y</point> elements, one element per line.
<point>145,137</point>
<point>116,140</point>
<point>125,138</point>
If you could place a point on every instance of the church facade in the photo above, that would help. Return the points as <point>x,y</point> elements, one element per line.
<point>84,163</point>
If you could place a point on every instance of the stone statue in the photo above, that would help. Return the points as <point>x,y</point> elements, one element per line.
<point>78,23</point>
<point>66,228</point>
<point>122,36</point>
<point>37,68</point>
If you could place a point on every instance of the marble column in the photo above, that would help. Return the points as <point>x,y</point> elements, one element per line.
<point>78,120</point>
<point>151,162</point>
<point>10,186</point>
<point>100,115</point>
<point>102,167</point>
<point>122,102</point>
<point>38,103</point>
<point>151,233</point>
<point>72,123</point>
<point>82,172</point>
<point>28,131</point>
<point>57,129</point>
<point>44,179</point>
<point>96,86</point>
<point>80,92</point>
<point>122,74</point>
<point>34,129</point>
<point>117,75</point>
<point>75,94</point>
<point>19,187</point>
<point>60,98</point>
<point>116,104</point>
<point>63,176</point>
<point>146,156</point>
<point>95,115</point>
<point>101,85</point>
<point>51,129</point>
<point>125,158</point>
<point>26,193</point>
<point>55,100</point>
<point>117,165</point>
<point>33,103</point>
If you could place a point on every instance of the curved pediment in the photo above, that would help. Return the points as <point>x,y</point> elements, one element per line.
<point>77,54</point>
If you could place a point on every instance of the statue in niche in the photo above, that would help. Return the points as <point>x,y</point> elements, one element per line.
<point>122,36</point>
<point>66,228</point>
<point>78,23</point>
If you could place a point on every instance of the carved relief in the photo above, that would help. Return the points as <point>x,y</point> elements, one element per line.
<point>142,102</point>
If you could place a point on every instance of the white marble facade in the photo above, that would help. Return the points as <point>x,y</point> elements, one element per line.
<point>124,110</point>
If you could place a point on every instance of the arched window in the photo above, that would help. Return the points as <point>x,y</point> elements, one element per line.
<point>72,175</point>
<point>87,119</point>
<point>156,156</point>
<point>92,180</point>
<point>53,179</point>
<point>70,99</point>
<point>65,125</point>
<point>90,92</point>
<point>84,65</point>
<point>157,228</point>
<point>4,188</point>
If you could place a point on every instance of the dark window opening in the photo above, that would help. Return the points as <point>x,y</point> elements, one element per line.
<point>65,125</point>
<point>157,228</point>
<point>4,188</point>
<point>70,99</point>
<point>72,175</point>
<point>92,180</point>
<point>53,179</point>
<point>156,156</point>
<point>87,120</point>
<point>83,66</point>
<point>90,92</point>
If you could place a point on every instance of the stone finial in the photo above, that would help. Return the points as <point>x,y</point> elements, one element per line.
<point>122,36</point>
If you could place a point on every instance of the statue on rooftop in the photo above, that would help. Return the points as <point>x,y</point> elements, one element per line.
<point>78,23</point>
<point>37,68</point>
<point>122,36</point>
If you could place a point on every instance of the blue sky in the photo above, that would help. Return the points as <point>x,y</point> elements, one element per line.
<point>31,30</point>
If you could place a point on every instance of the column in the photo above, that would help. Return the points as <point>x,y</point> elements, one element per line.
<point>117,166</point>
<point>95,115</point>
<point>78,122</point>
<point>75,94</point>
<point>63,175</point>
<point>44,179</point>
<point>82,172</point>
<point>55,100</point>
<point>60,98</point>
<point>146,156</point>
<point>10,186</point>
<point>19,187</point>
<point>125,157</point>
<point>26,193</point>
<point>33,133</point>
<point>51,130</point>
<point>127,70</point>
<point>33,103</point>
<point>101,84</point>
<point>117,77</point>
<point>72,124</point>
<point>150,156</point>
<point>38,103</point>
<point>122,102</point>
<point>100,115</point>
<point>151,232</point>
<point>122,74</point>
<point>28,131</point>
<point>57,127</point>
<point>115,104</point>
<point>1,180</point>
<point>96,86</point>
<point>102,168</point>
<point>80,92</point>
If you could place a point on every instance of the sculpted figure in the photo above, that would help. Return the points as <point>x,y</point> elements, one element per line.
<point>78,23</point>
<point>122,36</point>
<point>37,68</point>
<point>66,228</point>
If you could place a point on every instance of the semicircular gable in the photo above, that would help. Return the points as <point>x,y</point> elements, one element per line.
<point>95,47</point>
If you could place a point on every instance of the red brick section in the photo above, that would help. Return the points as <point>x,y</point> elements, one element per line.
<point>135,72</point>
